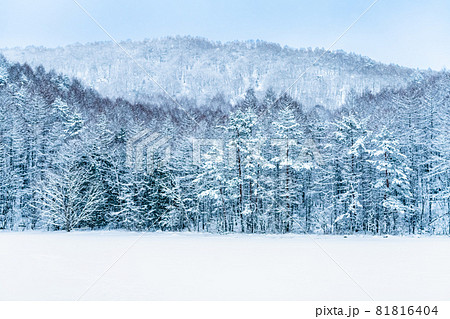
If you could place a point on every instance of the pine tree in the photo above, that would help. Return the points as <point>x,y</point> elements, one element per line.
<point>350,139</point>
<point>288,132</point>
<point>241,129</point>
<point>391,182</point>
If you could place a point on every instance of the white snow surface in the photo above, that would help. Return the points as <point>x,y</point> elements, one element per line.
<point>191,266</point>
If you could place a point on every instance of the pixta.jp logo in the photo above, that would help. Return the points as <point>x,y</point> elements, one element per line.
<point>143,147</point>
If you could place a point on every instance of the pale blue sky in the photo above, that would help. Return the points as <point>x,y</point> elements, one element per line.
<point>413,33</point>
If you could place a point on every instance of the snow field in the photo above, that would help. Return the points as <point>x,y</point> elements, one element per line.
<point>179,266</point>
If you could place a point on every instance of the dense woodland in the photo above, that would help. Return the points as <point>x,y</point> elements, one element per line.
<point>380,164</point>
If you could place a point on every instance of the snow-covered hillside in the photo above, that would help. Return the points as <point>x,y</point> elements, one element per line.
<point>169,266</point>
<point>200,69</point>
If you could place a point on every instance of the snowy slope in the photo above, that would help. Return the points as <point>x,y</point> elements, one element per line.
<point>168,266</point>
<point>200,69</point>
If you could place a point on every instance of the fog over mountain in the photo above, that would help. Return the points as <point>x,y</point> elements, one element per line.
<point>200,69</point>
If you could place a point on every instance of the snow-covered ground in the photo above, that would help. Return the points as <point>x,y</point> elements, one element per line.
<point>169,266</point>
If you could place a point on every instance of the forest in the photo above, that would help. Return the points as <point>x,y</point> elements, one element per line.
<point>378,164</point>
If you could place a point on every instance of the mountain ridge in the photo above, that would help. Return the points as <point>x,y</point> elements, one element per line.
<point>198,68</point>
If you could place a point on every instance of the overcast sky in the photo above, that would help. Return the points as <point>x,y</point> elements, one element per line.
<point>414,33</point>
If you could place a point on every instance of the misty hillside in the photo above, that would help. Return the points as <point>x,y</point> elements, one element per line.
<point>200,69</point>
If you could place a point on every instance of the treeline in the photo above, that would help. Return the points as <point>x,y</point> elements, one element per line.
<point>379,165</point>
